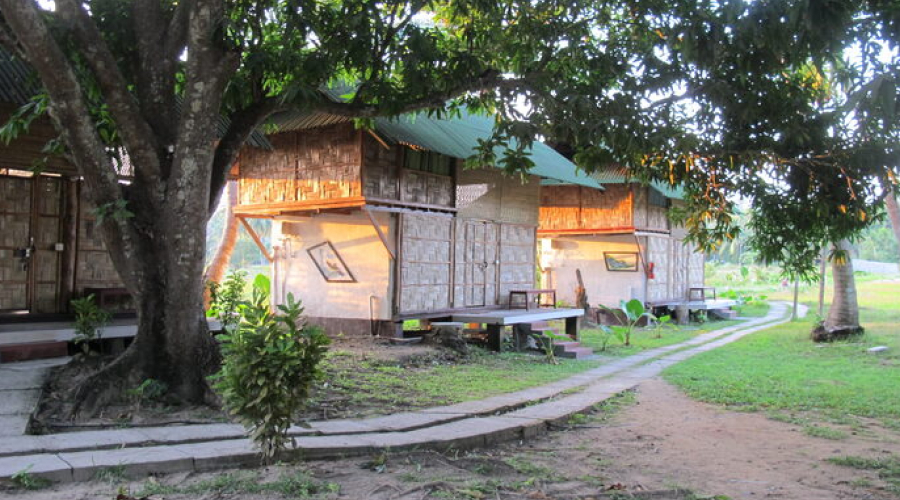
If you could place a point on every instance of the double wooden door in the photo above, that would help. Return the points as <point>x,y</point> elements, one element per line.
<point>30,225</point>
<point>477,263</point>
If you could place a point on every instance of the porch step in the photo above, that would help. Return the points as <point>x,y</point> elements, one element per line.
<point>575,353</point>
<point>572,350</point>
<point>724,313</point>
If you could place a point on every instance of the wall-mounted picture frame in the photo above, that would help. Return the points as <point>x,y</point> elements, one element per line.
<point>621,261</point>
<point>330,263</point>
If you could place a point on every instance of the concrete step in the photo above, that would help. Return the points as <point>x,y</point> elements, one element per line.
<point>575,353</point>
<point>724,313</point>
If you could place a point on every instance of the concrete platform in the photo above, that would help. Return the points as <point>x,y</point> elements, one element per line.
<point>517,316</point>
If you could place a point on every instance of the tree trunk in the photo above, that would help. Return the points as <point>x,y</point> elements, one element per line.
<point>893,210</point>
<point>843,315</point>
<point>216,270</point>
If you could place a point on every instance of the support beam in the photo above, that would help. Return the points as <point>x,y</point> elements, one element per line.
<point>379,139</point>
<point>256,239</point>
<point>381,234</point>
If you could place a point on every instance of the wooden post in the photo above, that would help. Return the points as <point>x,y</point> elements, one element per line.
<point>796,294</point>
<point>68,262</point>
<point>572,328</point>
<point>495,337</point>
<point>822,284</point>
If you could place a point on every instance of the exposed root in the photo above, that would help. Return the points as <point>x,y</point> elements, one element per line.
<point>821,333</point>
<point>108,384</point>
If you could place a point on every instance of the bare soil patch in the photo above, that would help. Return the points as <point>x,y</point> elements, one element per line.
<point>655,444</point>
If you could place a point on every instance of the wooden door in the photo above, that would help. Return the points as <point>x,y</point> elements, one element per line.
<point>30,215</point>
<point>476,258</point>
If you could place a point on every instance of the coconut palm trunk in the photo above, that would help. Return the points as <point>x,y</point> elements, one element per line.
<point>216,270</point>
<point>893,210</point>
<point>843,315</point>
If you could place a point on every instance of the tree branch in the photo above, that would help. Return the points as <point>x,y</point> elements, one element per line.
<point>491,79</point>
<point>156,69</point>
<point>139,140</point>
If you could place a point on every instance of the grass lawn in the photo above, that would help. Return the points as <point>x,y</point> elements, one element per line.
<point>649,338</point>
<point>358,387</point>
<point>781,371</point>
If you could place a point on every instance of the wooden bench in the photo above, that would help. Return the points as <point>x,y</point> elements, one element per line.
<point>532,297</point>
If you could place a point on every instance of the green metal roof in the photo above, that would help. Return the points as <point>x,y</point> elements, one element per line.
<point>617,175</point>
<point>458,137</point>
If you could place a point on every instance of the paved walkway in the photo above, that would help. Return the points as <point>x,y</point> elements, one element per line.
<point>20,388</point>
<point>158,450</point>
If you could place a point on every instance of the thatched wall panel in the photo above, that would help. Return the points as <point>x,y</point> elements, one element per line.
<point>317,164</point>
<point>425,266</point>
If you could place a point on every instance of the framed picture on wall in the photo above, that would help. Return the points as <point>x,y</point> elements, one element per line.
<point>621,261</point>
<point>330,263</point>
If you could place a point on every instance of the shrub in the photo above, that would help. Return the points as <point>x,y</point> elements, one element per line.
<point>89,319</point>
<point>270,362</point>
<point>226,299</point>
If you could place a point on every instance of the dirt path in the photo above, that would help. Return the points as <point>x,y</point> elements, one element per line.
<point>657,441</point>
<point>669,439</point>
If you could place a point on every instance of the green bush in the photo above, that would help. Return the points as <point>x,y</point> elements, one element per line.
<point>226,299</point>
<point>89,319</point>
<point>270,362</point>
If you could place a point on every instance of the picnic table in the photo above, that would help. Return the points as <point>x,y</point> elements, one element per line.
<point>496,320</point>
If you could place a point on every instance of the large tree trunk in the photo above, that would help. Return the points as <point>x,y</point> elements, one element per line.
<point>216,270</point>
<point>843,315</point>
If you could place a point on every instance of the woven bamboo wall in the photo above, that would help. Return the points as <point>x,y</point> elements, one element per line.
<point>316,164</point>
<point>517,254</point>
<point>382,167</point>
<point>426,262</point>
<point>15,214</point>
<point>577,207</point>
<point>93,266</point>
<point>659,253</point>
<point>488,194</point>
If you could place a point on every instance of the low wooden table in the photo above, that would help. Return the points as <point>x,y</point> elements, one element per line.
<point>497,319</point>
<point>700,292</point>
<point>532,296</point>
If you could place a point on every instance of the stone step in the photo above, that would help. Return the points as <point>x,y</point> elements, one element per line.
<point>724,313</point>
<point>575,353</point>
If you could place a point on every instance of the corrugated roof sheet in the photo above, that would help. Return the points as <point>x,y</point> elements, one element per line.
<point>617,175</point>
<point>458,137</point>
<point>300,120</point>
<point>17,82</point>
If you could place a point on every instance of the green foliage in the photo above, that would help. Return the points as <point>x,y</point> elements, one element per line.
<point>25,480</point>
<point>115,210</point>
<point>633,312</point>
<point>290,484</point>
<point>743,299</point>
<point>270,362</point>
<point>148,390</point>
<point>89,320</point>
<point>226,299</point>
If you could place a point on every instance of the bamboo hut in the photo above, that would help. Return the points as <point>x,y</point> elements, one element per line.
<point>620,239</point>
<point>374,227</point>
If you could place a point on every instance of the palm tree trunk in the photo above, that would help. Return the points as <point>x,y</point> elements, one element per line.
<point>893,210</point>
<point>216,270</point>
<point>843,315</point>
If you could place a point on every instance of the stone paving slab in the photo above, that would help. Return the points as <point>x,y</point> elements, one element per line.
<point>49,467</point>
<point>134,462</point>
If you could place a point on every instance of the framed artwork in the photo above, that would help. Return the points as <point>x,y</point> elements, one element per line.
<point>330,263</point>
<point>621,261</point>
